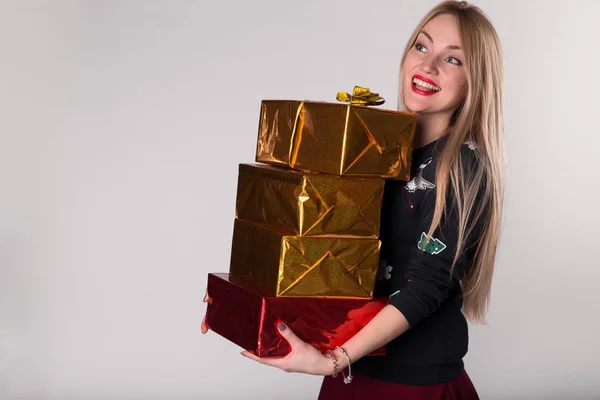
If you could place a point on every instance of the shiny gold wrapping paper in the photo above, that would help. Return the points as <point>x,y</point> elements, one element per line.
<point>339,139</point>
<point>295,266</point>
<point>309,204</point>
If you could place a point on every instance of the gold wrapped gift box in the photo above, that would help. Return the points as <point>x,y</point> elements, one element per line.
<point>295,266</point>
<point>309,204</point>
<point>338,139</point>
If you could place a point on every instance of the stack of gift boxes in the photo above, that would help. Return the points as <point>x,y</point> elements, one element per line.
<point>306,243</point>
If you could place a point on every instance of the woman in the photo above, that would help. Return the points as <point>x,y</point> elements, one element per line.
<point>439,231</point>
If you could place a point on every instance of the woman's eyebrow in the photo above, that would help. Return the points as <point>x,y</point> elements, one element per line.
<point>450,47</point>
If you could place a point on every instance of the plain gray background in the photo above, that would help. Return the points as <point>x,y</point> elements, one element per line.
<point>122,125</point>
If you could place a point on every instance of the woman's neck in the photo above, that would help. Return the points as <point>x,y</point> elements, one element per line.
<point>430,128</point>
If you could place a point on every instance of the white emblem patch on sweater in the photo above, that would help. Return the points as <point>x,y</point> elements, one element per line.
<point>471,145</point>
<point>418,182</point>
<point>384,271</point>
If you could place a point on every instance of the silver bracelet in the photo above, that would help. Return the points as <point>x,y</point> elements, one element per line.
<point>347,379</point>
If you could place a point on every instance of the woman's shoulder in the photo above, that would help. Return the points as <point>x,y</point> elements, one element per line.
<point>468,153</point>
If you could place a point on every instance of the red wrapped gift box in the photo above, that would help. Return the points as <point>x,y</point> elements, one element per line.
<point>246,315</point>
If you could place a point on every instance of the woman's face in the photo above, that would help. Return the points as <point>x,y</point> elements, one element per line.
<point>434,77</point>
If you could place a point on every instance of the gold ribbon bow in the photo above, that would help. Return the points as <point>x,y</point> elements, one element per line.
<point>361,97</point>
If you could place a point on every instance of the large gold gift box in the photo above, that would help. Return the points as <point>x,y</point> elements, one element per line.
<point>309,204</point>
<point>296,266</point>
<point>339,139</point>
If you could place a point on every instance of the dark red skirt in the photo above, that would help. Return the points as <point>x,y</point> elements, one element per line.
<point>363,387</point>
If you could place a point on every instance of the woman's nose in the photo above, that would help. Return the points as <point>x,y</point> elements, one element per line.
<point>429,65</point>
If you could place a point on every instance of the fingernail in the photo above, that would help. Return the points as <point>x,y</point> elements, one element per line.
<point>281,326</point>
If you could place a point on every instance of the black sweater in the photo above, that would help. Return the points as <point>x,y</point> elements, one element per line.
<point>418,280</point>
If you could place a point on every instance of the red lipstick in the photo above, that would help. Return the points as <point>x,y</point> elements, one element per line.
<point>423,92</point>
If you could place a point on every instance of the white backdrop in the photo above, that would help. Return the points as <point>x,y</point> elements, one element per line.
<point>122,125</point>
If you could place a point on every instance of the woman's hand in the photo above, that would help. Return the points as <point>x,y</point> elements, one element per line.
<point>303,358</point>
<point>204,328</point>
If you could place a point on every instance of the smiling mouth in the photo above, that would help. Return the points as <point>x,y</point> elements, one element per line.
<point>424,86</point>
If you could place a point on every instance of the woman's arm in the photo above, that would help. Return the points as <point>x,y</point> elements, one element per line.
<point>387,325</point>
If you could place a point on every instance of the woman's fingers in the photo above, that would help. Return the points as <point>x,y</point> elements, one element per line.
<point>207,298</point>
<point>278,362</point>
<point>204,327</point>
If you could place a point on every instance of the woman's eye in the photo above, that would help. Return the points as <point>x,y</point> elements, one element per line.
<point>453,60</point>
<point>420,48</point>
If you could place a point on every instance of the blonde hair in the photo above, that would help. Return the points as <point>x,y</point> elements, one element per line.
<point>479,119</point>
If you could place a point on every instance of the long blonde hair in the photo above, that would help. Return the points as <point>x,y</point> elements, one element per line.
<point>479,119</point>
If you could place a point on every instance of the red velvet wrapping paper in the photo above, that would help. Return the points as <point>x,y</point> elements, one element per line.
<point>246,315</point>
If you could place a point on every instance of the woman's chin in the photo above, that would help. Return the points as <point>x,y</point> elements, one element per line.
<point>413,105</point>
<point>415,108</point>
